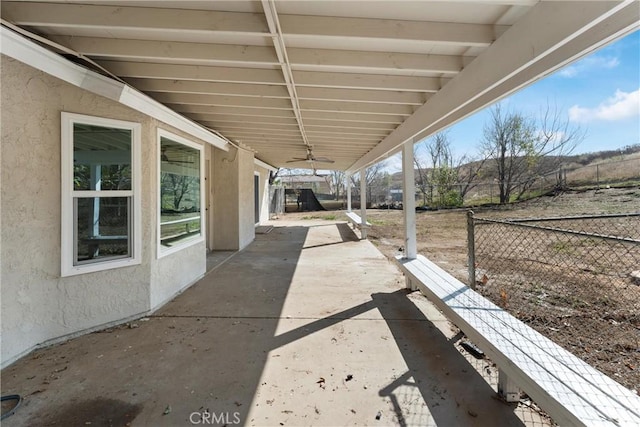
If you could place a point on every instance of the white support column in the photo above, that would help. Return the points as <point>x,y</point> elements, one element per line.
<point>348,184</point>
<point>363,203</point>
<point>409,201</point>
<point>409,206</point>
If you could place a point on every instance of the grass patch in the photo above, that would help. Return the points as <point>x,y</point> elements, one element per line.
<point>377,221</point>
<point>563,247</point>
<point>330,217</point>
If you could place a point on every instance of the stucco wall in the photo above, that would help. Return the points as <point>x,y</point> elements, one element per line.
<point>175,272</point>
<point>37,304</point>
<point>246,200</point>
<point>225,199</point>
<point>233,199</point>
<point>264,193</point>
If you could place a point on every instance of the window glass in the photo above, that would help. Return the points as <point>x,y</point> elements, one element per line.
<point>180,204</point>
<point>102,228</point>
<point>101,158</point>
<point>100,205</point>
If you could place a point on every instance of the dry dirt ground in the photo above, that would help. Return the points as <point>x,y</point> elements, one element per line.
<point>442,237</point>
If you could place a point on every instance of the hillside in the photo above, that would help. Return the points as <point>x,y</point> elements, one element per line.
<point>586,160</point>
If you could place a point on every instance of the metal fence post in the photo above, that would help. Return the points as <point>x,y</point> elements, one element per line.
<point>471,250</point>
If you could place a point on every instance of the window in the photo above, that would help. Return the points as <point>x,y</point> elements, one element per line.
<point>181,193</point>
<point>100,194</point>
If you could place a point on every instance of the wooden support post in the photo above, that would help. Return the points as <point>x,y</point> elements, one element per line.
<point>507,389</point>
<point>409,206</point>
<point>363,203</point>
<point>409,201</point>
<point>348,193</point>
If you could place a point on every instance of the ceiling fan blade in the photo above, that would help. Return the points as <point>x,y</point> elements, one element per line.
<point>323,160</point>
<point>297,159</point>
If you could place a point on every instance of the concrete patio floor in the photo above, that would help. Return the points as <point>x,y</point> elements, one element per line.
<point>307,326</point>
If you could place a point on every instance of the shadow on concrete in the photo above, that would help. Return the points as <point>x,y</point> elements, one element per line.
<point>454,392</point>
<point>203,352</point>
<point>207,351</point>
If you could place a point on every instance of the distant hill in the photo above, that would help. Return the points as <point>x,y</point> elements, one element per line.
<point>569,162</point>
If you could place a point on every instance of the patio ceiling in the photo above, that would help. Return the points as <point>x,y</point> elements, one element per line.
<point>347,80</point>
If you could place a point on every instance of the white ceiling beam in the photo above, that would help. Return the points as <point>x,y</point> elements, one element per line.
<point>285,133</point>
<point>261,137</point>
<point>256,127</point>
<point>143,18</point>
<point>383,29</point>
<point>313,124</point>
<point>232,101</point>
<point>347,132</point>
<point>373,62</point>
<point>208,88</point>
<point>321,141</point>
<point>356,107</point>
<point>337,146</point>
<point>344,137</point>
<point>349,117</point>
<point>335,153</point>
<point>205,112</point>
<point>545,29</point>
<point>152,70</point>
<point>252,121</point>
<point>362,95</point>
<point>28,52</point>
<point>273,23</point>
<point>245,136</point>
<point>248,121</point>
<point>340,157</point>
<point>368,81</point>
<point>273,130</point>
<point>171,52</point>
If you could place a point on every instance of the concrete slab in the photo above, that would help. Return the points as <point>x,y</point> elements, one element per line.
<point>307,326</point>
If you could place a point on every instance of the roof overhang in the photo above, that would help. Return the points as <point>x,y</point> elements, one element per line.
<point>351,80</point>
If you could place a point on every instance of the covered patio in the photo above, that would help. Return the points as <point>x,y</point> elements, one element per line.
<point>309,325</point>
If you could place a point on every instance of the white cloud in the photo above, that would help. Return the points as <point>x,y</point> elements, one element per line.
<point>394,163</point>
<point>619,107</point>
<point>591,62</point>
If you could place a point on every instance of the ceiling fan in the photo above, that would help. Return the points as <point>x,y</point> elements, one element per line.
<point>311,159</point>
<point>165,158</point>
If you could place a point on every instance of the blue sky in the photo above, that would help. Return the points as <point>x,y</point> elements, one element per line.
<point>600,93</point>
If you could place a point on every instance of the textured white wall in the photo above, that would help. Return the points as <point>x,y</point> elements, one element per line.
<point>232,199</point>
<point>264,193</point>
<point>37,304</point>
<point>224,203</point>
<point>246,199</point>
<point>176,272</point>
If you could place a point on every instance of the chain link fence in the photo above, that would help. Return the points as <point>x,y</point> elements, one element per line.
<point>574,279</point>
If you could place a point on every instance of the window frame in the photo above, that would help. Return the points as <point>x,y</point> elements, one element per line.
<point>69,196</point>
<point>162,251</point>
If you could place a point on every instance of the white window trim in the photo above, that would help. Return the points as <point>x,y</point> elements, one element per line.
<point>160,250</point>
<point>67,193</point>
